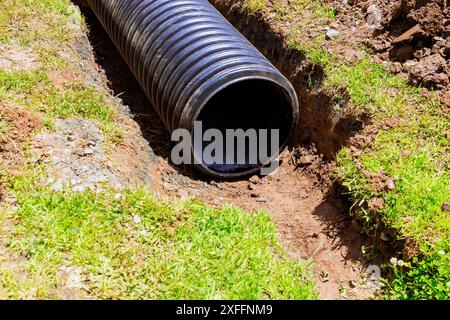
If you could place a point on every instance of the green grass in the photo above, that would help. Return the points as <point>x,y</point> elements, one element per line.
<point>135,246</point>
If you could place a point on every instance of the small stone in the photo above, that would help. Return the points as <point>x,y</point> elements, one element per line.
<point>70,138</point>
<point>385,237</point>
<point>144,233</point>
<point>91,143</point>
<point>352,55</point>
<point>410,34</point>
<point>216,184</point>
<point>406,153</point>
<point>254,180</point>
<point>374,17</point>
<point>251,186</point>
<point>262,200</point>
<point>306,160</point>
<point>390,185</point>
<point>88,152</point>
<point>352,284</point>
<point>331,34</point>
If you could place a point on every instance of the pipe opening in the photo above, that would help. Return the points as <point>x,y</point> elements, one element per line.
<point>264,112</point>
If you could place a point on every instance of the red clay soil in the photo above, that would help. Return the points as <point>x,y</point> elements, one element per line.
<point>18,126</point>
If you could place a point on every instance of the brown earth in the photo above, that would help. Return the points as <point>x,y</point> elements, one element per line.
<point>410,37</point>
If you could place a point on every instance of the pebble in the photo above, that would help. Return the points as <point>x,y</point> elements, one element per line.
<point>445,207</point>
<point>331,34</point>
<point>79,188</point>
<point>262,200</point>
<point>137,219</point>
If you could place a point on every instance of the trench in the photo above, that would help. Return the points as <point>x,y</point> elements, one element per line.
<point>310,215</point>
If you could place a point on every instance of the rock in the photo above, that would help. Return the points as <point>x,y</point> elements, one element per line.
<point>376,204</point>
<point>88,152</point>
<point>374,17</point>
<point>405,52</point>
<point>352,55</point>
<point>262,200</point>
<point>137,219</point>
<point>446,207</point>
<point>215,184</point>
<point>385,237</point>
<point>251,186</point>
<point>352,284</point>
<point>306,160</point>
<point>167,186</point>
<point>254,180</point>
<point>79,188</point>
<point>430,71</point>
<point>331,34</point>
<point>390,185</point>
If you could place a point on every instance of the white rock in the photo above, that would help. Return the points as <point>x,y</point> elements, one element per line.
<point>374,17</point>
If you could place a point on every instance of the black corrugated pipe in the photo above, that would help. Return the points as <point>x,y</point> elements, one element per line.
<point>195,66</point>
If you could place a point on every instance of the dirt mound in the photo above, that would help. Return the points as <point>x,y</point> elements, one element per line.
<point>416,35</point>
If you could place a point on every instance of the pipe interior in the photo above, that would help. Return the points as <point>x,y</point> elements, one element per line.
<point>249,104</point>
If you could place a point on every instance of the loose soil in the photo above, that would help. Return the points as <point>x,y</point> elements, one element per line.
<point>299,195</point>
<point>410,37</point>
